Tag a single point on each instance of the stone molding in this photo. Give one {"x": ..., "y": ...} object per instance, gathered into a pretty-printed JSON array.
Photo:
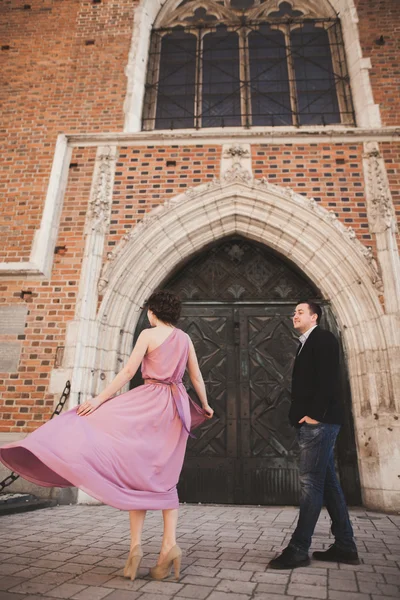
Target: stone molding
[
  {"x": 335, "y": 134},
  {"x": 42, "y": 253},
  {"x": 82, "y": 331},
  {"x": 171, "y": 15},
  {"x": 242, "y": 176},
  {"x": 41, "y": 259},
  {"x": 98, "y": 217},
  {"x": 382, "y": 222},
  {"x": 380, "y": 205},
  {"x": 298, "y": 228}
]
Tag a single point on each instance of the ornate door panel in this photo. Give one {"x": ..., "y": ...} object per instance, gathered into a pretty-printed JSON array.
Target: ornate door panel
[
  {"x": 268, "y": 449},
  {"x": 208, "y": 472}
]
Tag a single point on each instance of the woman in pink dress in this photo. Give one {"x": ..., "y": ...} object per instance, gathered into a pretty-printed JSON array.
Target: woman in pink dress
[{"x": 127, "y": 451}]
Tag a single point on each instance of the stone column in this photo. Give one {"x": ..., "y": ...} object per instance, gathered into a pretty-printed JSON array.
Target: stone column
[
  {"x": 82, "y": 332},
  {"x": 380, "y": 448},
  {"x": 382, "y": 223}
]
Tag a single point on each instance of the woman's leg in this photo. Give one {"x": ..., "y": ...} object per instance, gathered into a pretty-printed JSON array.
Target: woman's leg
[
  {"x": 170, "y": 517},
  {"x": 136, "y": 520}
]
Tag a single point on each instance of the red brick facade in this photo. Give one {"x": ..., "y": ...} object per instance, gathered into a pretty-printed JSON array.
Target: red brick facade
[
  {"x": 62, "y": 68},
  {"x": 376, "y": 19}
]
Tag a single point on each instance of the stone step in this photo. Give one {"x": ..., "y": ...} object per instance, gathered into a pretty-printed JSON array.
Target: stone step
[{"x": 16, "y": 503}]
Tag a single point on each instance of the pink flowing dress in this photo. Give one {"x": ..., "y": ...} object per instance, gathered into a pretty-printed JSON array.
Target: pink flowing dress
[{"x": 129, "y": 452}]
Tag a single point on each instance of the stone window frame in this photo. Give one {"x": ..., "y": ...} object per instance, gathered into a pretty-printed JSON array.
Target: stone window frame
[
  {"x": 150, "y": 12},
  {"x": 260, "y": 14}
]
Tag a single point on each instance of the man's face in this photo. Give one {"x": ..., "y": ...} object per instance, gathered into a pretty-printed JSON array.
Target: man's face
[{"x": 303, "y": 320}]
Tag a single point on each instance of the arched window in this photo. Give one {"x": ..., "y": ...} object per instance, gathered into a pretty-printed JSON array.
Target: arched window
[{"x": 220, "y": 63}]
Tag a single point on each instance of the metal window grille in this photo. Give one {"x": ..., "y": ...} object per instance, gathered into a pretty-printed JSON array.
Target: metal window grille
[{"x": 288, "y": 70}]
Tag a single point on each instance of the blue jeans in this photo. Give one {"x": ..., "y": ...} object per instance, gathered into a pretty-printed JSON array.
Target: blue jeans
[{"x": 319, "y": 484}]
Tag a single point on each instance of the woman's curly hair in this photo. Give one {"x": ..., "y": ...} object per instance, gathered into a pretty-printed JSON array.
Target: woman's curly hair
[{"x": 165, "y": 305}]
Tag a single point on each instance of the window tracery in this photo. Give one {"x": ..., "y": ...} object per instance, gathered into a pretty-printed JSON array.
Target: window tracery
[{"x": 218, "y": 63}]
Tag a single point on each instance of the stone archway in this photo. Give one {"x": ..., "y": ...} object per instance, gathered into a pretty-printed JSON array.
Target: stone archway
[
  {"x": 237, "y": 301},
  {"x": 309, "y": 236}
]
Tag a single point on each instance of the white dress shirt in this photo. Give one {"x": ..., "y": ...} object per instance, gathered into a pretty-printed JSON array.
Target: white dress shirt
[{"x": 304, "y": 336}]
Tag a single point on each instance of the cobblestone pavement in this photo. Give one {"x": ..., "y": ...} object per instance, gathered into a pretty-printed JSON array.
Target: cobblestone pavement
[{"x": 78, "y": 552}]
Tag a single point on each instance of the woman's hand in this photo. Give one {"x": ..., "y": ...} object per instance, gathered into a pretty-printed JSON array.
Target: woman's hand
[
  {"x": 88, "y": 407},
  {"x": 208, "y": 411}
]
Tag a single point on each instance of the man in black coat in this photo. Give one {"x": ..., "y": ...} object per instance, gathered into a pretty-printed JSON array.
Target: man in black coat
[{"x": 316, "y": 413}]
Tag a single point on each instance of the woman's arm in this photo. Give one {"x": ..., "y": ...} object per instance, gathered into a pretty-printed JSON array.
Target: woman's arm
[
  {"x": 197, "y": 380},
  {"x": 122, "y": 378}
]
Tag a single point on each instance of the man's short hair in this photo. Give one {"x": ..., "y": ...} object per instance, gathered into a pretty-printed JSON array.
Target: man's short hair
[{"x": 315, "y": 309}]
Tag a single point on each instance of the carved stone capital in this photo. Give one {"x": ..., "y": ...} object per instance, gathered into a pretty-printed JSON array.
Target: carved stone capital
[
  {"x": 98, "y": 215},
  {"x": 237, "y": 173},
  {"x": 379, "y": 200},
  {"x": 236, "y": 163}
]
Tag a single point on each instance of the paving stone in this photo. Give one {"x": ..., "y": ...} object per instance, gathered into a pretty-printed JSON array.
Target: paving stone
[
  {"x": 91, "y": 593},
  {"x": 11, "y": 596},
  {"x": 337, "y": 595},
  {"x": 251, "y": 566},
  {"x": 66, "y": 590},
  {"x": 92, "y": 579},
  {"x": 30, "y": 572},
  {"x": 271, "y": 596},
  {"x": 123, "y": 595},
  {"x": 272, "y": 577},
  {"x": 152, "y": 596},
  {"x": 9, "y": 582},
  {"x": 122, "y": 583},
  {"x": 104, "y": 570},
  {"x": 344, "y": 584},
  {"x": 270, "y": 588},
  {"x": 308, "y": 578},
  {"x": 227, "y": 596},
  {"x": 393, "y": 579},
  {"x": 340, "y": 574},
  {"x": 238, "y": 587},
  {"x": 235, "y": 575},
  {"x": 9, "y": 569},
  {"x": 388, "y": 590},
  {"x": 199, "y": 580},
  {"x": 194, "y": 591},
  {"x": 205, "y": 562},
  {"x": 202, "y": 571},
  {"x": 161, "y": 587},
  {"x": 32, "y": 587},
  {"x": 74, "y": 568},
  {"x": 227, "y": 550},
  {"x": 53, "y": 577},
  {"x": 308, "y": 591},
  {"x": 20, "y": 560}
]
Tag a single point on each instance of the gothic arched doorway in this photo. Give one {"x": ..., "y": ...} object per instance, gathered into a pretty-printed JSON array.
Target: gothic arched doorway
[{"x": 238, "y": 297}]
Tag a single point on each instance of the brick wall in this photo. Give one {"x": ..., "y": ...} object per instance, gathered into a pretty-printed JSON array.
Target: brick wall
[
  {"x": 146, "y": 177},
  {"x": 53, "y": 82},
  {"x": 331, "y": 174},
  {"x": 51, "y": 304},
  {"x": 377, "y": 18}
]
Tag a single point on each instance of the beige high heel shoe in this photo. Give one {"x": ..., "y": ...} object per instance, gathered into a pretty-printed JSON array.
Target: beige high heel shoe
[
  {"x": 133, "y": 562},
  {"x": 163, "y": 570}
]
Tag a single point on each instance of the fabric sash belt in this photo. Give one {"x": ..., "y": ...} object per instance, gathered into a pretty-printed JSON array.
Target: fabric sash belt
[{"x": 176, "y": 395}]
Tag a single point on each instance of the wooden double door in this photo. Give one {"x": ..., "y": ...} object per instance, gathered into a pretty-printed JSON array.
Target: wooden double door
[{"x": 236, "y": 312}]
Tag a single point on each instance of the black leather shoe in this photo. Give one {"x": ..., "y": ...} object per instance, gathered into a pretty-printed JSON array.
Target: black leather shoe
[
  {"x": 334, "y": 554},
  {"x": 289, "y": 559}
]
